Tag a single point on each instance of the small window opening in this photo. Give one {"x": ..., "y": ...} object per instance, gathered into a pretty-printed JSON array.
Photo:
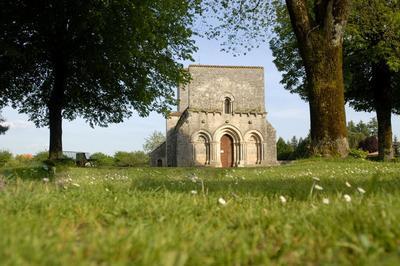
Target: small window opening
[{"x": 227, "y": 106}]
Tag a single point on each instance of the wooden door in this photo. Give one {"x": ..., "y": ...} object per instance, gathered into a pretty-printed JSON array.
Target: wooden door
[{"x": 226, "y": 151}]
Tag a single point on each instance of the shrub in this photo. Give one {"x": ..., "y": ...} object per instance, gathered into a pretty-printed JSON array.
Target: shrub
[
  {"x": 60, "y": 164},
  {"x": 303, "y": 149},
  {"x": 20, "y": 160},
  {"x": 5, "y": 157},
  {"x": 101, "y": 159},
  {"x": 129, "y": 159},
  {"x": 369, "y": 144},
  {"x": 356, "y": 153},
  {"x": 41, "y": 156},
  {"x": 284, "y": 150}
]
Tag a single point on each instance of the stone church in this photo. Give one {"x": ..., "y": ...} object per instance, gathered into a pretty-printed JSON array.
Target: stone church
[{"x": 220, "y": 122}]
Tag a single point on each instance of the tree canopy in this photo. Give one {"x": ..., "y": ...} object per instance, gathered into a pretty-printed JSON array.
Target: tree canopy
[
  {"x": 372, "y": 63},
  {"x": 371, "y": 60},
  {"x": 99, "y": 60},
  {"x": 153, "y": 141},
  {"x": 317, "y": 29},
  {"x": 3, "y": 128}
]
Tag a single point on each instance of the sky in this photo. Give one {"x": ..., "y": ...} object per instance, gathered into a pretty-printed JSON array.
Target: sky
[{"x": 286, "y": 112}]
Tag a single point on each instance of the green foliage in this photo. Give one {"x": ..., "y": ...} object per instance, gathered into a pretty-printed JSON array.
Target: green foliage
[
  {"x": 26, "y": 173},
  {"x": 357, "y": 153},
  {"x": 41, "y": 156},
  {"x": 368, "y": 38},
  {"x": 3, "y": 128},
  {"x": 369, "y": 144},
  {"x": 286, "y": 52},
  {"x": 130, "y": 159},
  {"x": 293, "y": 149},
  {"x": 99, "y": 60},
  {"x": 240, "y": 25},
  {"x": 5, "y": 157},
  {"x": 23, "y": 159},
  {"x": 372, "y": 40},
  {"x": 101, "y": 159},
  {"x": 303, "y": 149},
  {"x": 153, "y": 141},
  {"x": 360, "y": 131},
  {"x": 109, "y": 216},
  {"x": 284, "y": 150}
]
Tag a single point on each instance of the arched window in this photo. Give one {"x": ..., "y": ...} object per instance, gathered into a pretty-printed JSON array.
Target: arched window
[{"x": 227, "y": 106}]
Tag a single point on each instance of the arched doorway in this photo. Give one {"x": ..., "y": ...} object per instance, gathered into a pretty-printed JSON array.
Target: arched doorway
[{"x": 226, "y": 151}]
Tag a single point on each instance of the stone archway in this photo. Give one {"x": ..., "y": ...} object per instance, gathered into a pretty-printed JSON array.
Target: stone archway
[
  {"x": 201, "y": 148},
  {"x": 226, "y": 151},
  {"x": 254, "y": 151},
  {"x": 231, "y": 138}
]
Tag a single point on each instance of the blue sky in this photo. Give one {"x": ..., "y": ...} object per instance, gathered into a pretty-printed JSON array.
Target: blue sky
[{"x": 287, "y": 113}]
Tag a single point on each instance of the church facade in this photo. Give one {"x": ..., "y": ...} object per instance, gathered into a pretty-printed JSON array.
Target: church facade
[{"x": 221, "y": 121}]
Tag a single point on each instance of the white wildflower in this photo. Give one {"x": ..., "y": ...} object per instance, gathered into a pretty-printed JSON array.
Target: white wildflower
[
  {"x": 318, "y": 187},
  {"x": 348, "y": 184},
  {"x": 107, "y": 190},
  {"x": 283, "y": 199},
  {"x": 347, "y": 197},
  {"x": 361, "y": 190},
  {"x": 193, "y": 178},
  {"x": 46, "y": 179},
  {"x": 325, "y": 201},
  {"x": 76, "y": 184},
  {"x": 316, "y": 178},
  {"x": 193, "y": 192},
  {"x": 221, "y": 201}
]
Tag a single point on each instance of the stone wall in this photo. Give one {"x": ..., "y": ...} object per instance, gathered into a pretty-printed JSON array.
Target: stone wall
[
  {"x": 207, "y": 126},
  {"x": 159, "y": 155},
  {"x": 194, "y": 132},
  {"x": 211, "y": 84}
]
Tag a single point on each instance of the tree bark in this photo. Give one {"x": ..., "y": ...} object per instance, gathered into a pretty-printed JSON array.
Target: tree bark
[
  {"x": 55, "y": 106},
  {"x": 326, "y": 100},
  {"x": 320, "y": 40},
  {"x": 57, "y": 95},
  {"x": 383, "y": 107}
]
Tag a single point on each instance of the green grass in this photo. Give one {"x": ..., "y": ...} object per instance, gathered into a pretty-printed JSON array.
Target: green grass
[{"x": 148, "y": 216}]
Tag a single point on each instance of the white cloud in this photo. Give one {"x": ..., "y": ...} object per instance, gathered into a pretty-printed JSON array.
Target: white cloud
[{"x": 17, "y": 124}]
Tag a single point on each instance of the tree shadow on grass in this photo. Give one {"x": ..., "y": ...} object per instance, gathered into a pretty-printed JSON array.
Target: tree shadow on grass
[
  {"x": 299, "y": 188},
  {"x": 26, "y": 173}
]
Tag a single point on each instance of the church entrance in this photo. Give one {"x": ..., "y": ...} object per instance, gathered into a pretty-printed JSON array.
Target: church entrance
[{"x": 226, "y": 151}]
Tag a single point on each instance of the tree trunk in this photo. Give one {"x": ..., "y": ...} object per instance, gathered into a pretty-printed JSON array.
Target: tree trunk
[
  {"x": 320, "y": 40},
  {"x": 326, "y": 99},
  {"x": 55, "y": 106},
  {"x": 383, "y": 107}
]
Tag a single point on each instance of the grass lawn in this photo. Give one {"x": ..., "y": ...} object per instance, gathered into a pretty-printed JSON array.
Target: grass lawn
[{"x": 166, "y": 216}]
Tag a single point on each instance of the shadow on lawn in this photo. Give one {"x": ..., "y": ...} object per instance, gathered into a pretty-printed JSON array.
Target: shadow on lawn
[
  {"x": 295, "y": 188},
  {"x": 26, "y": 173}
]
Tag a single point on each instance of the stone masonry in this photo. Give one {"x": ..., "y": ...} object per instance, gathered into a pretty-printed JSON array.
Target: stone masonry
[{"x": 220, "y": 122}]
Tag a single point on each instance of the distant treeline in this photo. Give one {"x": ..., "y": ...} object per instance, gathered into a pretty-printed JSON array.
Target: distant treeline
[
  {"x": 362, "y": 138},
  {"x": 119, "y": 159}
]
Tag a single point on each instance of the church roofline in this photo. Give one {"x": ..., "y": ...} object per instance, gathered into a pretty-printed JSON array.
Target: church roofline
[{"x": 227, "y": 66}]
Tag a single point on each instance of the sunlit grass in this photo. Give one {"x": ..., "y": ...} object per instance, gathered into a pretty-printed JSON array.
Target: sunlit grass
[{"x": 294, "y": 214}]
